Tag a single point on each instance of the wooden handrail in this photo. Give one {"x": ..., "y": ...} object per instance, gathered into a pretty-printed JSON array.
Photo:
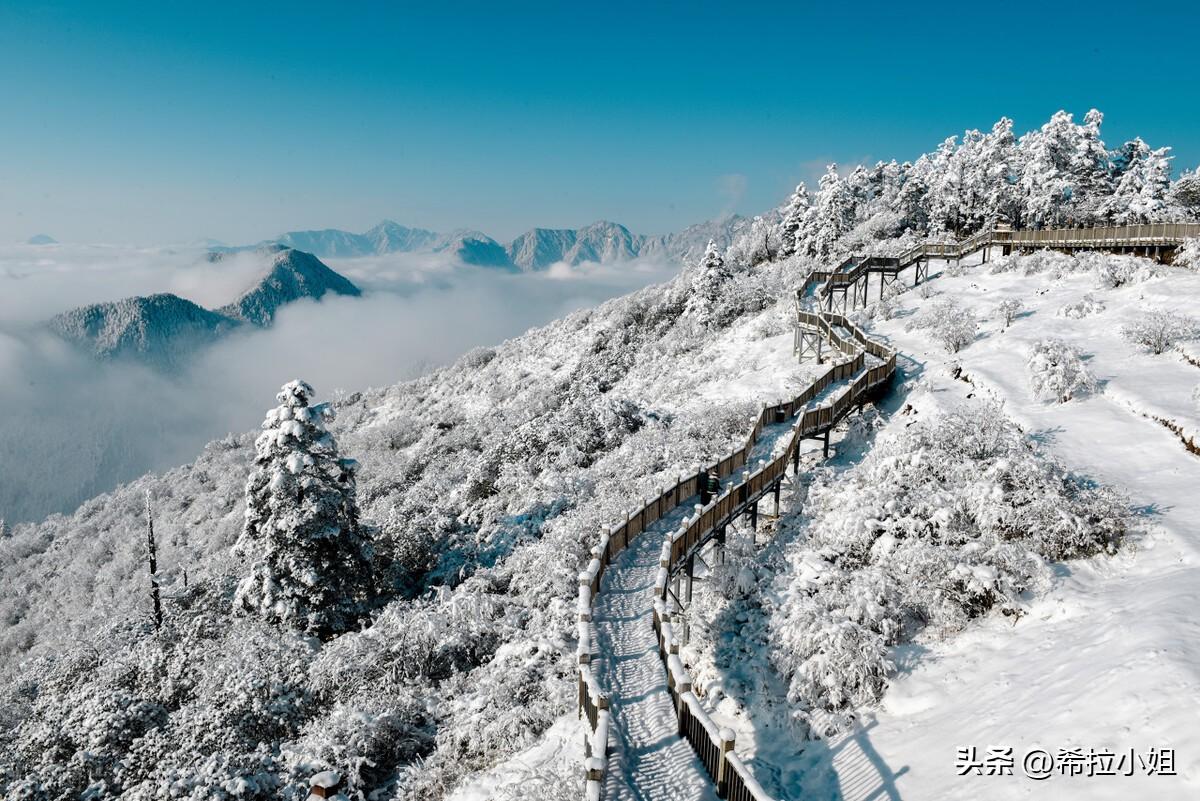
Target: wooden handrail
[
  {"x": 731, "y": 777},
  {"x": 1107, "y": 237}
]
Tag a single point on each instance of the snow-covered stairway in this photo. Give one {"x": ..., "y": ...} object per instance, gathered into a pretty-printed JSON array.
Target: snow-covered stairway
[
  {"x": 629, "y": 675},
  {"x": 851, "y": 277},
  {"x": 648, "y": 759}
]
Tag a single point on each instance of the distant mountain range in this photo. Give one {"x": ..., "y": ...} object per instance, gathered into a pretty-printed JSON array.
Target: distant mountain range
[
  {"x": 164, "y": 329},
  {"x": 534, "y": 250}
]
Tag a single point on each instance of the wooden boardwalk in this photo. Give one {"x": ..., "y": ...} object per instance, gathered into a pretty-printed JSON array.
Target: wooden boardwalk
[
  {"x": 633, "y": 632},
  {"x": 848, "y": 281},
  {"x": 675, "y": 522}
]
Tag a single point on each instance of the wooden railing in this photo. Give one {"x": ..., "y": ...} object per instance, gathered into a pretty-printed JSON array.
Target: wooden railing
[
  {"x": 713, "y": 745},
  {"x": 732, "y": 779},
  {"x": 1151, "y": 235}
]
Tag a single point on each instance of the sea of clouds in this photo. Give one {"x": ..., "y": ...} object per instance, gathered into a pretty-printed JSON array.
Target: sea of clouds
[{"x": 73, "y": 427}]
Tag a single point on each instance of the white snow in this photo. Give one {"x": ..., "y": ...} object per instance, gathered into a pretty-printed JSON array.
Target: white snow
[{"x": 1111, "y": 657}]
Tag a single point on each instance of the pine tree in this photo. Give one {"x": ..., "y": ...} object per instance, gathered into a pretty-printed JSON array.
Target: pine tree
[
  {"x": 995, "y": 176},
  {"x": 707, "y": 284},
  {"x": 946, "y": 189},
  {"x": 832, "y": 216},
  {"x": 1185, "y": 194},
  {"x": 1093, "y": 173},
  {"x": 1143, "y": 184},
  {"x": 312, "y": 561},
  {"x": 1046, "y": 181},
  {"x": 793, "y": 218}
]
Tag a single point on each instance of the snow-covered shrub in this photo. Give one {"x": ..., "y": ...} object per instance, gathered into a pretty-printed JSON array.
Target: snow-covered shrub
[
  {"x": 312, "y": 562},
  {"x": 1008, "y": 310},
  {"x": 948, "y": 322},
  {"x": 889, "y": 304},
  {"x": 1050, "y": 262},
  {"x": 1057, "y": 372},
  {"x": 1188, "y": 254},
  {"x": 1086, "y": 306},
  {"x": 1159, "y": 330},
  {"x": 1114, "y": 271},
  {"x": 956, "y": 269},
  {"x": 945, "y": 520}
]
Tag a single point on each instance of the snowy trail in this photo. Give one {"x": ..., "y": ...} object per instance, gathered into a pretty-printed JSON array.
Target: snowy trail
[{"x": 648, "y": 759}]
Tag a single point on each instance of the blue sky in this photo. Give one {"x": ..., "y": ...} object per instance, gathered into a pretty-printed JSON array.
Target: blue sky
[{"x": 167, "y": 122}]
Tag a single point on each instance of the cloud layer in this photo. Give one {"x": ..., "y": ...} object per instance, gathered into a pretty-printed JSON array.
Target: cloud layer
[{"x": 74, "y": 427}]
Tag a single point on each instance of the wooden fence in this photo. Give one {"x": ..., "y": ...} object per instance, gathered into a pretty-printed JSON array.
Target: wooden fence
[
  {"x": 715, "y": 746},
  {"x": 716, "y": 750},
  {"x": 1113, "y": 237}
]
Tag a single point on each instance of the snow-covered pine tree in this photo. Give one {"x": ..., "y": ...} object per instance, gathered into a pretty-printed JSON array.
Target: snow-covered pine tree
[
  {"x": 946, "y": 190},
  {"x": 1093, "y": 173},
  {"x": 1046, "y": 182},
  {"x": 312, "y": 561},
  {"x": 1185, "y": 195},
  {"x": 833, "y": 213},
  {"x": 793, "y": 217},
  {"x": 1144, "y": 181},
  {"x": 706, "y": 286}
]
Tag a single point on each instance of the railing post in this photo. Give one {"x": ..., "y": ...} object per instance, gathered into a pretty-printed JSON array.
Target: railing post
[{"x": 727, "y": 737}]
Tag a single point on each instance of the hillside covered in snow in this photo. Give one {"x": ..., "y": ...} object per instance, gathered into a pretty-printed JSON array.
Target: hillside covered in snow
[
  {"x": 999, "y": 553},
  {"x": 164, "y": 330}
]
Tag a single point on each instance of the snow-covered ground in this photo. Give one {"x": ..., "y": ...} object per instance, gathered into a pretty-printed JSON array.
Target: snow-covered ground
[
  {"x": 1110, "y": 658},
  {"x": 1107, "y": 660}
]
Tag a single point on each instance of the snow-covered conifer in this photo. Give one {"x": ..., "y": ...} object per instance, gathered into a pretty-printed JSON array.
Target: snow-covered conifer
[
  {"x": 311, "y": 566},
  {"x": 1045, "y": 181},
  {"x": 1090, "y": 166},
  {"x": 1185, "y": 195},
  {"x": 1144, "y": 180},
  {"x": 793, "y": 217},
  {"x": 708, "y": 280},
  {"x": 833, "y": 213}
]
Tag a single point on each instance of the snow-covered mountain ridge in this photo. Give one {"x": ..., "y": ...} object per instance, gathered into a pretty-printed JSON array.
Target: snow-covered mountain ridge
[
  {"x": 537, "y": 249},
  {"x": 164, "y": 329}
]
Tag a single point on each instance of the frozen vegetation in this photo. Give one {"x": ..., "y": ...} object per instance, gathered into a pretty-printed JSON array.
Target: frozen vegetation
[{"x": 406, "y": 558}]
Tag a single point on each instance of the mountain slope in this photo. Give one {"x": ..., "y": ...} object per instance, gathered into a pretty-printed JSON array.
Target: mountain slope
[
  {"x": 390, "y": 237},
  {"x": 293, "y": 275},
  {"x": 161, "y": 329},
  {"x": 536, "y": 249},
  {"x": 329, "y": 243},
  {"x": 164, "y": 329},
  {"x": 602, "y": 242}
]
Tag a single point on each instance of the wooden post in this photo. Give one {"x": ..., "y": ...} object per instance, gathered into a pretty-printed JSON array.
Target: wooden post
[
  {"x": 727, "y": 741},
  {"x": 826, "y": 449},
  {"x": 778, "y": 484},
  {"x": 754, "y": 516},
  {"x": 324, "y": 784},
  {"x": 691, "y": 569}
]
